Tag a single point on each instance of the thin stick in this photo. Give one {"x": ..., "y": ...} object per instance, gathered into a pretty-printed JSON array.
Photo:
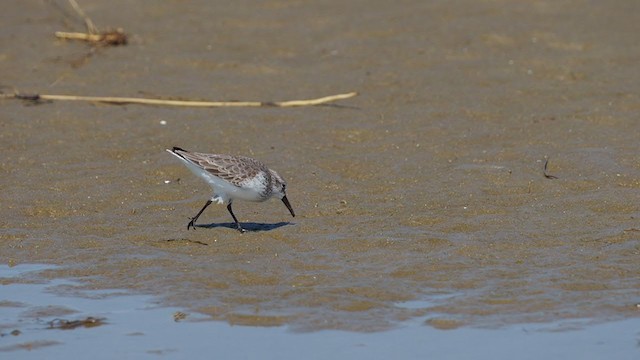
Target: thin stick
[
  {"x": 545, "y": 173},
  {"x": 110, "y": 37},
  {"x": 79, "y": 36},
  {"x": 91, "y": 28},
  {"x": 143, "y": 101}
]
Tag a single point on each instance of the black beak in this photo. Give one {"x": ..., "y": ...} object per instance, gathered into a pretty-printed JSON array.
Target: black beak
[{"x": 286, "y": 203}]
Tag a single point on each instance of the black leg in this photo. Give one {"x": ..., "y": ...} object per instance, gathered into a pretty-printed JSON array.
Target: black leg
[
  {"x": 192, "y": 223},
  {"x": 234, "y": 219}
]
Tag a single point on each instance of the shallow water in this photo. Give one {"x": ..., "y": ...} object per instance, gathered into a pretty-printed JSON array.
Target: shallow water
[
  {"x": 427, "y": 188},
  {"x": 138, "y": 328}
]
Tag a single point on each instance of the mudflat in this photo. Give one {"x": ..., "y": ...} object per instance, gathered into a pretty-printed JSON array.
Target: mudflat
[{"x": 428, "y": 188}]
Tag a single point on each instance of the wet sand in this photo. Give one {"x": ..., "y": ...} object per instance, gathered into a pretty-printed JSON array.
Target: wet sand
[{"x": 426, "y": 189}]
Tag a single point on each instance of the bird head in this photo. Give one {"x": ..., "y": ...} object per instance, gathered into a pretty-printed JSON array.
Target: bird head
[{"x": 279, "y": 189}]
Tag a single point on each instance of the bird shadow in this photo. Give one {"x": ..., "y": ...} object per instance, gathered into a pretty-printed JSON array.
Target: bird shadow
[{"x": 248, "y": 226}]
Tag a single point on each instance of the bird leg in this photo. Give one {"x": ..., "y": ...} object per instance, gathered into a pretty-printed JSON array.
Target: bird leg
[
  {"x": 192, "y": 223},
  {"x": 234, "y": 219}
]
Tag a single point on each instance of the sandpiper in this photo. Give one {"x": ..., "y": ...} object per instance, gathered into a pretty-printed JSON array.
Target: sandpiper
[{"x": 233, "y": 177}]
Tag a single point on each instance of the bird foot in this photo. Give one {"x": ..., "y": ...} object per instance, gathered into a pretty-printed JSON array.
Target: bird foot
[{"x": 191, "y": 224}]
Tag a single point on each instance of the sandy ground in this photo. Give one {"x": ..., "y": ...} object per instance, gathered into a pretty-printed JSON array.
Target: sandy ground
[{"x": 426, "y": 189}]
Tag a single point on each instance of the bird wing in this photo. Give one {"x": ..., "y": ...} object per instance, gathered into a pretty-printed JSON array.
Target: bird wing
[{"x": 234, "y": 169}]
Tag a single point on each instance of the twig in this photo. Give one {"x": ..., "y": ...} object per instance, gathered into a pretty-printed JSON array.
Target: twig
[
  {"x": 190, "y": 103},
  {"x": 91, "y": 28},
  {"x": 89, "y": 322},
  {"x": 547, "y": 175},
  {"x": 111, "y": 37},
  {"x": 93, "y": 35}
]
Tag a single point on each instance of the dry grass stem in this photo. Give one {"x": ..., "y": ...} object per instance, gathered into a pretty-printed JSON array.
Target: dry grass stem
[
  {"x": 187, "y": 103},
  {"x": 110, "y": 37},
  {"x": 93, "y": 35},
  {"x": 91, "y": 28}
]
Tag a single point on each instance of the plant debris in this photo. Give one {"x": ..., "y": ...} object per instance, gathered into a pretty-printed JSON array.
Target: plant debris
[
  {"x": 546, "y": 174},
  {"x": 93, "y": 35},
  {"x": 179, "y": 315},
  {"x": 104, "y": 38},
  {"x": 63, "y": 324},
  {"x": 39, "y": 98}
]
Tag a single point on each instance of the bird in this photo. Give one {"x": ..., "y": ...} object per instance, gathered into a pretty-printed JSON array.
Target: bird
[{"x": 233, "y": 178}]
